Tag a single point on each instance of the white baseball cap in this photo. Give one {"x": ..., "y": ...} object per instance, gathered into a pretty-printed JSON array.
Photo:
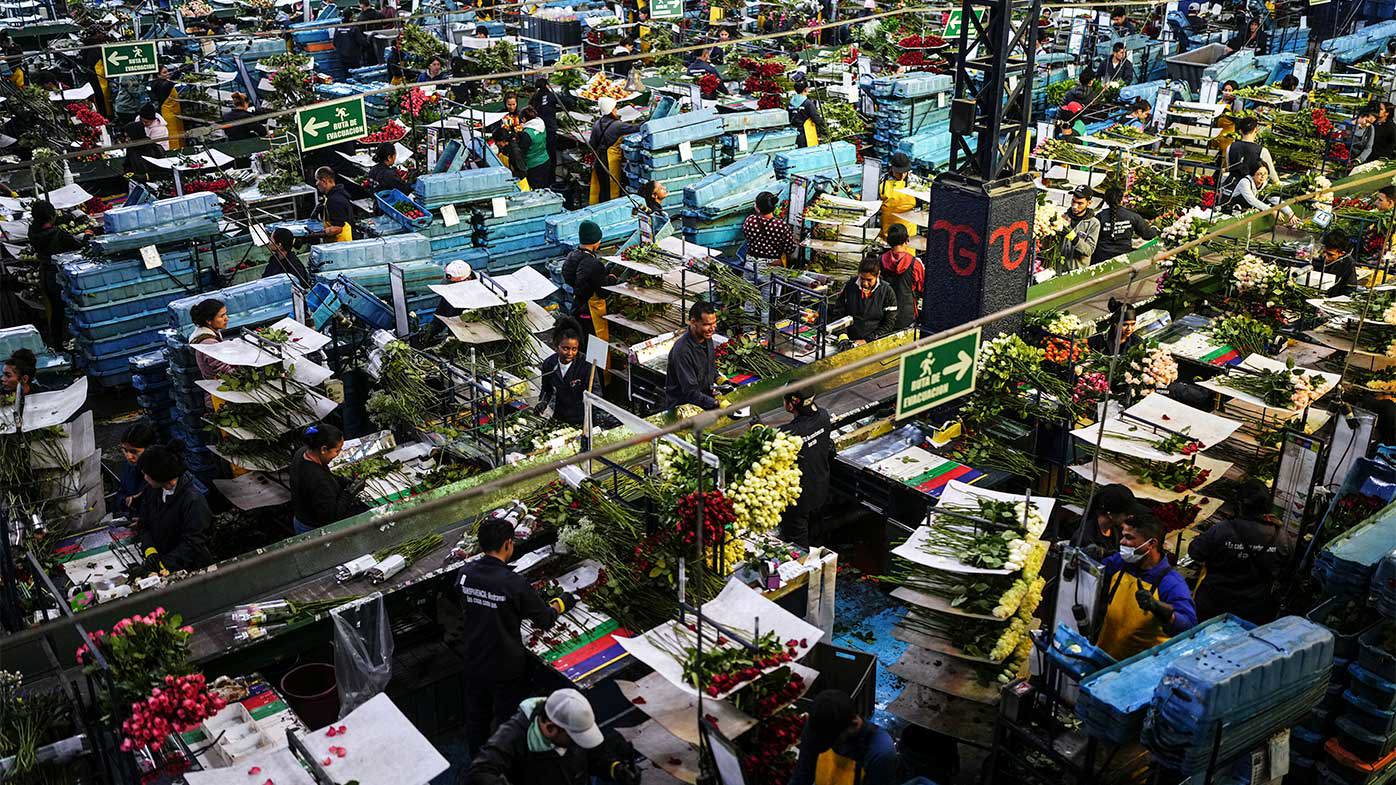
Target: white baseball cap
[
  {"x": 606, "y": 105},
  {"x": 568, "y": 710},
  {"x": 459, "y": 270}
]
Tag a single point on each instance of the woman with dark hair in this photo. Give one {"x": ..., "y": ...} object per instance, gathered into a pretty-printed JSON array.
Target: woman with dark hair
[
  {"x": 173, "y": 517},
  {"x": 565, "y": 376},
  {"x": 768, "y": 238},
  {"x": 1384, "y": 132},
  {"x": 382, "y": 176},
  {"x": 134, "y": 442},
  {"x": 319, "y": 497},
  {"x": 19, "y": 372},
  {"x": 1118, "y": 227},
  {"x": 242, "y": 110},
  {"x": 654, "y": 193},
  {"x": 1112, "y": 507},
  {"x": 210, "y": 319},
  {"x": 1242, "y": 557},
  {"x": 48, "y": 241},
  {"x": 1119, "y": 333},
  {"x": 283, "y": 259},
  {"x": 165, "y": 98}
]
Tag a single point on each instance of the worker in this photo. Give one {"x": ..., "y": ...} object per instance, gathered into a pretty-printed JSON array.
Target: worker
[
  {"x": 282, "y": 259},
  {"x": 839, "y": 747},
  {"x": 811, "y": 424},
  {"x": 318, "y": 496},
  {"x": 210, "y": 318},
  {"x": 584, "y": 271},
  {"x": 1071, "y": 122},
  {"x": 335, "y": 211},
  {"x": 903, "y": 271},
  {"x": 1363, "y": 132},
  {"x": 1384, "y": 133},
  {"x": 1141, "y": 115},
  {"x": 458, "y": 271},
  {"x": 1119, "y": 336},
  {"x": 48, "y": 241},
  {"x": 165, "y": 98},
  {"x": 1118, "y": 227},
  {"x": 435, "y": 69},
  {"x": 769, "y": 239},
  {"x": 1242, "y": 558},
  {"x": 1084, "y": 233},
  {"x": 1120, "y": 23},
  {"x": 173, "y": 517},
  {"x": 1385, "y": 198},
  {"x": 496, "y": 600},
  {"x": 1337, "y": 260},
  {"x": 512, "y": 120},
  {"x": 1099, "y": 532},
  {"x": 546, "y": 103},
  {"x": 654, "y": 193},
  {"x": 804, "y": 113},
  {"x": 19, "y": 373},
  {"x": 156, "y": 129},
  {"x": 564, "y": 377},
  {"x": 702, "y": 65},
  {"x": 351, "y": 42},
  {"x": 1247, "y": 150},
  {"x": 1228, "y": 97},
  {"x": 1117, "y": 67},
  {"x": 895, "y": 199},
  {"x": 1147, "y": 601},
  {"x": 604, "y": 142},
  {"x": 1254, "y": 37},
  {"x": 553, "y": 740},
  {"x": 532, "y": 141},
  {"x": 1243, "y": 193},
  {"x": 870, "y": 301},
  {"x": 691, "y": 376},
  {"x": 134, "y": 442},
  {"x": 242, "y": 110},
  {"x": 383, "y": 175}
]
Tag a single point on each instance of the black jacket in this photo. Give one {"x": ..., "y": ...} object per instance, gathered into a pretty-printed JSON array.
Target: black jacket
[
  {"x": 1110, "y": 72},
  {"x": 691, "y": 373},
  {"x": 242, "y": 131},
  {"x": 51, "y": 241},
  {"x": 496, "y": 601},
  {"x": 351, "y": 44},
  {"x": 809, "y": 110},
  {"x": 1243, "y": 560},
  {"x": 815, "y": 453},
  {"x": 1117, "y": 230},
  {"x": 1383, "y": 141},
  {"x": 318, "y": 497},
  {"x": 606, "y": 132},
  {"x": 584, "y": 271},
  {"x": 564, "y": 393},
  {"x": 385, "y": 178},
  {"x": 874, "y": 316},
  {"x": 506, "y": 759},
  {"x": 290, "y": 265},
  {"x": 176, "y": 528},
  {"x": 1240, "y": 157}
]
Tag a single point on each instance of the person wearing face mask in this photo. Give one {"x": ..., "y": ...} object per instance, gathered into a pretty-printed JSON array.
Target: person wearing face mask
[
  {"x": 1241, "y": 559},
  {"x": 870, "y": 301},
  {"x": 173, "y": 517},
  {"x": 1147, "y": 601},
  {"x": 496, "y": 600},
  {"x": 691, "y": 374},
  {"x": 839, "y": 747},
  {"x": 565, "y": 377},
  {"x": 134, "y": 442},
  {"x": 1084, "y": 233},
  {"x": 318, "y": 496},
  {"x": 811, "y": 424},
  {"x": 1099, "y": 533}
]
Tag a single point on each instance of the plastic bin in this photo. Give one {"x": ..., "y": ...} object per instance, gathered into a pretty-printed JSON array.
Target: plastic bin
[
  {"x": 311, "y": 690},
  {"x": 1189, "y": 65},
  {"x": 393, "y": 203},
  {"x": 1075, "y": 654},
  {"x": 1366, "y": 715},
  {"x": 1372, "y": 688},
  {"x": 363, "y": 304},
  {"x": 1363, "y": 743},
  {"x": 1344, "y": 646},
  {"x": 1373, "y": 656},
  {"x": 849, "y": 670},
  {"x": 1349, "y": 769}
]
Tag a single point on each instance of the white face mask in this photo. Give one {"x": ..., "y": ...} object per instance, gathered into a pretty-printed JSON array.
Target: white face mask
[{"x": 1133, "y": 555}]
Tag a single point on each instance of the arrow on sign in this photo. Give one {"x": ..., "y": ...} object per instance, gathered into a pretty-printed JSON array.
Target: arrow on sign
[
  {"x": 116, "y": 58},
  {"x": 313, "y": 126},
  {"x": 961, "y": 366}
]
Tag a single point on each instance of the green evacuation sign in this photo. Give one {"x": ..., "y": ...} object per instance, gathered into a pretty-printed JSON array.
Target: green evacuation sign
[
  {"x": 956, "y": 21},
  {"x": 940, "y": 372},
  {"x": 331, "y": 124},
  {"x": 129, "y": 59},
  {"x": 666, "y": 9}
]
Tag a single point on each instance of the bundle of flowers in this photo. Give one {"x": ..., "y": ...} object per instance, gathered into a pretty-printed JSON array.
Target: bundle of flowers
[
  {"x": 1256, "y": 276},
  {"x": 766, "y": 79},
  {"x": 196, "y": 8},
  {"x": 1325, "y": 196},
  {"x": 990, "y": 550},
  {"x": 1290, "y": 388},
  {"x": 724, "y": 665},
  {"x": 177, "y": 706},
  {"x": 1091, "y": 387},
  {"x": 768, "y": 749},
  {"x": 419, "y": 106},
  {"x": 709, "y": 84},
  {"x": 1177, "y": 514},
  {"x": 140, "y": 651},
  {"x": 1241, "y": 332},
  {"x": 717, "y": 514},
  {"x": 90, "y": 123},
  {"x": 1150, "y": 368},
  {"x": 770, "y": 485},
  {"x": 1049, "y": 221},
  {"x": 1179, "y": 443},
  {"x": 1177, "y": 477},
  {"x": 1188, "y": 227},
  {"x": 927, "y": 41},
  {"x": 391, "y": 132}
]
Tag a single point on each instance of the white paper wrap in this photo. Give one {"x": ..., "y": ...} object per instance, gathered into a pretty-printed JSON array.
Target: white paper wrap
[{"x": 958, "y": 494}]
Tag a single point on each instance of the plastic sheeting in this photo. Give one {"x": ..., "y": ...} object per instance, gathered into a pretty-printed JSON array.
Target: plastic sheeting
[{"x": 363, "y": 651}]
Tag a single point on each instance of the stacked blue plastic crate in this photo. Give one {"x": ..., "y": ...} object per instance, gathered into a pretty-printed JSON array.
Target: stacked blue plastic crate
[
  {"x": 464, "y": 186},
  {"x": 715, "y": 207},
  {"x": 836, "y": 162},
  {"x": 365, "y": 262},
  {"x": 1345, "y": 566},
  {"x": 655, "y": 152},
  {"x": 1242, "y": 690},
  {"x": 154, "y": 389},
  {"x": 26, "y": 336},
  {"x": 909, "y": 106},
  {"x": 616, "y": 219}
]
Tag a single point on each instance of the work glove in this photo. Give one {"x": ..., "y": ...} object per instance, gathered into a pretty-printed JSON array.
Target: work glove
[
  {"x": 1146, "y": 601},
  {"x": 564, "y": 602},
  {"x": 1094, "y": 551},
  {"x": 624, "y": 773},
  {"x": 152, "y": 561}
]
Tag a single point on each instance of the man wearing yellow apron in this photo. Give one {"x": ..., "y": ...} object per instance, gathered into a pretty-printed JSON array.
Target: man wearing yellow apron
[
  {"x": 1147, "y": 601},
  {"x": 335, "y": 210},
  {"x": 605, "y": 145},
  {"x": 838, "y": 747},
  {"x": 584, "y": 271},
  {"x": 805, "y": 114},
  {"x": 166, "y": 99},
  {"x": 895, "y": 200}
]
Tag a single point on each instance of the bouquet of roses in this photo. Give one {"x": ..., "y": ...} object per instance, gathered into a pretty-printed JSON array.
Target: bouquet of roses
[
  {"x": 990, "y": 550},
  {"x": 1020, "y": 517},
  {"x": 724, "y": 665},
  {"x": 1290, "y": 388},
  {"x": 1253, "y": 275},
  {"x": 1091, "y": 387},
  {"x": 177, "y": 706},
  {"x": 1150, "y": 368},
  {"x": 1177, "y": 477},
  {"x": 1049, "y": 221},
  {"x": 1177, "y": 514},
  {"x": 770, "y": 485},
  {"x": 140, "y": 651},
  {"x": 1188, "y": 227}
]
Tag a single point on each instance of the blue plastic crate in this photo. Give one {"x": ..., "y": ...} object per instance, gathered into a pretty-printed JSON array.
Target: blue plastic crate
[
  {"x": 362, "y": 303},
  {"x": 248, "y": 303},
  {"x": 389, "y": 201},
  {"x": 1372, "y": 688},
  {"x": 162, "y": 212},
  {"x": 1075, "y": 654}
]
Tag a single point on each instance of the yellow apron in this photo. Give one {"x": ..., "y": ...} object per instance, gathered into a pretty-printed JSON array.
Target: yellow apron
[
  {"x": 714, "y": 14},
  {"x": 614, "y": 158},
  {"x": 834, "y": 769},
  {"x": 1128, "y": 630},
  {"x": 895, "y": 200},
  {"x": 599, "y": 325},
  {"x": 811, "y": 134},
  {"x": 101, "y": 70},
  {"x": 17, "y": 77},
  {"x": 170, "y": 111}
]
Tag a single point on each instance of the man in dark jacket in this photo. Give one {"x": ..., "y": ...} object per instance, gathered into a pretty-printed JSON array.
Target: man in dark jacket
[
  {"x": 1243, "y": 557},
  {"x": 691, "y": 375},
  {"x": 811, "y": 424},
  {"x": 554, "y": 741},
  {"x": 1118, "y": 227},
  {"x": 870, "y": 301},
  {"x": 547, "y": 104},
  {"x": 351, "y": 43},
  {"x": 1117, "y": 67},
  {"x": 283, "y": 259},
  {"x": 584, "y": 271},
  {"x": 496, "y": 601},
  {"x": 173, "y": 515}
]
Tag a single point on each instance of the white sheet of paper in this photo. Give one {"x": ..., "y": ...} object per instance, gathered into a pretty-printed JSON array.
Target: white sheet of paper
[
  {"x": 243, "y": 354},
  {"x": 685, "y": 151},
  {"x": 959, "y": 494},
  {"x": 150, "y": 256},
  {"x": 206, "y": 160},
  {"x": 304, "y": 339},
  {"x": 68, "y": 196},
  {"x": 374, "y": 727},
  {"x": 81, "y": 93},
  {"x": 252, "y": 491},
  {"x": 271, "y": 391},
  {"x": 737, "y": 607},
  {"x": 449, "y": 217},
  {"x": 499, "y": 205},
  {"x": 46, "y": 408},
  {"x": 677, "y": 710},
  {"x": 279, "y": 766},
  {"x": 1208, "y": 428}
]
